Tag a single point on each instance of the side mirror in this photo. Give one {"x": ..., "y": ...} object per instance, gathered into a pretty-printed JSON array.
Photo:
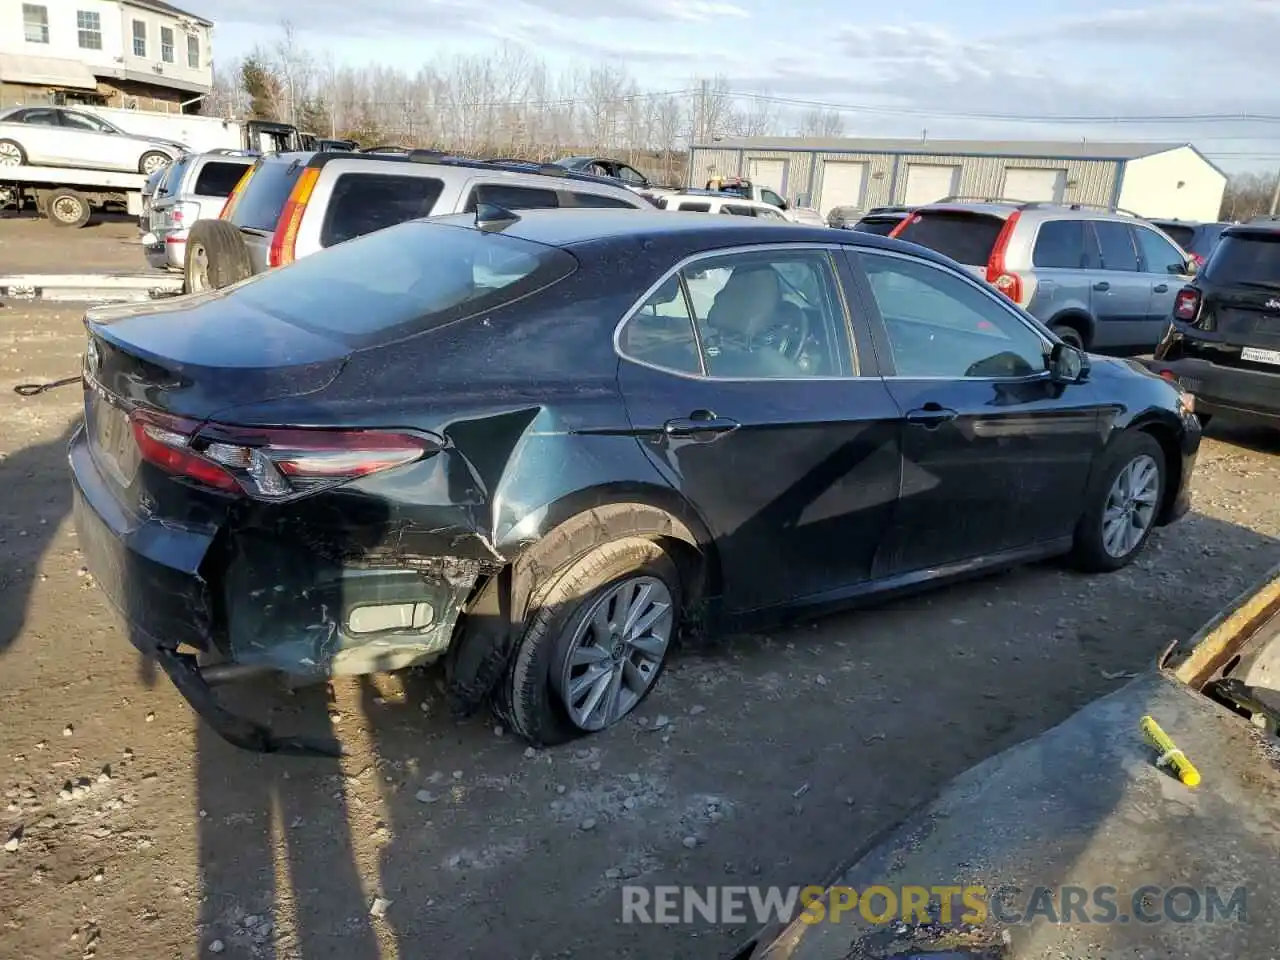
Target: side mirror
[
  {"x": 785, "y": 205},
  {"x": 1067, "y": 364}
]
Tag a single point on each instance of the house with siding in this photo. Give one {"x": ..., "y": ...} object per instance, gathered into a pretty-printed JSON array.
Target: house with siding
[{"x": 1149, "y": 179}]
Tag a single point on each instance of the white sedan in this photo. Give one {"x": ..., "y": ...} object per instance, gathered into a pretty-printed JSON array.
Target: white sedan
[{"x": 58, "y": 137}]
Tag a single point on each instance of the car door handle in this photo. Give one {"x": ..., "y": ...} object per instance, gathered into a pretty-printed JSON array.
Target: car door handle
[
  {"x": 1161, "y": 288},
  {"x": 1102, "y": 286},
  {"x": 701, "y": 424},
  {"x": 931, "y": 416}
]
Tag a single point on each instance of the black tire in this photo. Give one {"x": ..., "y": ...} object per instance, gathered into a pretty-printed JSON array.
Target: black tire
[
  {"x": 526, "y": 697},
  {"x": 8, "y": 148},
  {"x": 147, "y": 163},
  {"x": 67, "y": 208},
  {"x": 1204, "y": 419},
  {"x": 1089, "y": 552},
  {"x": 1068, "y": 335},
  {"x": 225, "y": 257}
]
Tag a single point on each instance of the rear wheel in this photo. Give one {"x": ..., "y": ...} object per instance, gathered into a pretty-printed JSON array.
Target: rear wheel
[
  {"x": 595, "y": 644},
  {"x": 153, "y": 160},
  {"x": 66, "y": 208},
  {"x": 1122, "y": 505},
  {"x": 1068, "y": 335},
  {"x": 11, "y": 154},
  {"x": 216, "y": 257}
]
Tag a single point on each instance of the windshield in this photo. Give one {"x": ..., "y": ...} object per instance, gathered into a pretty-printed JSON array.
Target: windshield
[
  {"x": 964, "y": 237},
  {"x": 405, "y": 279},
  {"x": 1252, "y": 259}
]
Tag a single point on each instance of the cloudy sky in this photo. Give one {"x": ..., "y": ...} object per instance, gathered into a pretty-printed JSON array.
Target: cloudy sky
[{"x": 945, "y": 66}]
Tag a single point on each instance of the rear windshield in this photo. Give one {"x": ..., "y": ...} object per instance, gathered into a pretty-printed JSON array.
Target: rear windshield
[
  {"x": 1182, "y": 235},
  {"x": 218, "y": 178},
  {"x": 880, "y": 226},
  {"x": 1247, "y": 258},
  {"x": 364, "y": 202},
  {"x": 264, "y": 196},
  {"x": 964, "y": 237},
  {"x": 405, "y": 279}
]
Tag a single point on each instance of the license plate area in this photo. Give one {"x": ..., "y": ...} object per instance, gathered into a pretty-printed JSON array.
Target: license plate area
[
  {"x": 111, "y": 440},
  {"x": 1258, "y": 355}
]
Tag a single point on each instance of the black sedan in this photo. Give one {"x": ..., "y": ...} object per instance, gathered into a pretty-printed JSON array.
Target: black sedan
[{"x": 534, "y": 446}]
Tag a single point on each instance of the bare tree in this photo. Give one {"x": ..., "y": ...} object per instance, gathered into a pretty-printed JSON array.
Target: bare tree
[
  {"x": 1248, "y": 195},
  {"x": 821, "y": 123},
  {"x": 757, "y": 118}
]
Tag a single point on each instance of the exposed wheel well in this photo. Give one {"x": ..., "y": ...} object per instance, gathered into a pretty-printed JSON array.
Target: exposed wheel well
[
  {"x": 1168, "y": 441},
  {"x": 1081, "y": 323}
]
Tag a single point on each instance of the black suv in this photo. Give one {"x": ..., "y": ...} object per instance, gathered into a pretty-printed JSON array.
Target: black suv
[{"x": 1223, "y": 344}]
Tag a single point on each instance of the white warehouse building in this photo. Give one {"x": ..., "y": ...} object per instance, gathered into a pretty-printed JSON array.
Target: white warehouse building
[{"x": 1171, "y": 180}]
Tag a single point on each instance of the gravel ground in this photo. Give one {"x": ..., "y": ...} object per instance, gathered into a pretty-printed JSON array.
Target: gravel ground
[
  {"x": 760, "y": 759},
  {"x": 31, "y": 245}
]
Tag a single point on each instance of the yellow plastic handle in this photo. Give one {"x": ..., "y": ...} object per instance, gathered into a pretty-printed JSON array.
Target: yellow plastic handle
[{"x": 1169, "y": 753}]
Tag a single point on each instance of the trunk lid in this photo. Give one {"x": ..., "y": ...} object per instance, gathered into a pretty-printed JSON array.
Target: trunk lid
[{"x": 1241, "y": 288}]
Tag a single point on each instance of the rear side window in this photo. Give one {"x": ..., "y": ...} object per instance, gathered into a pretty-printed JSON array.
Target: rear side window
[
  {"x": 218, "y": 178},
  {"x": 1115, "y": 245},
  {"x": 364, "y": 202},
  {"x": 512, "y": 197},
  {"x": 1060, "y": 243},
  {"x": 599, "y": 201},
  {"x": 966, "y": 238},
  {"x": 405, "y": 279},
  {"x": 262, "y": 201},
  {"x": 738, "y": 210},
  {"x": 696, "y": 206},
  {"x": 1252, "y": 259}
]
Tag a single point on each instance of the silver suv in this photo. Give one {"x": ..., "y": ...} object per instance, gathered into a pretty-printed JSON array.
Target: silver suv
[
  {"x": 1099, "y": 278},
  {"x": 293, "y": 204},
  {"x": 195, "y": 185}
]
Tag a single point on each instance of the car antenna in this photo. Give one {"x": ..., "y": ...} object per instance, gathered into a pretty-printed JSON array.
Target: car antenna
[{"x": 491, "y": 216}]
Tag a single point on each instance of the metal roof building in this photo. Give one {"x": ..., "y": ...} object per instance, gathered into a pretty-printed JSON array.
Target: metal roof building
[{"x": 1151, "y": 179}]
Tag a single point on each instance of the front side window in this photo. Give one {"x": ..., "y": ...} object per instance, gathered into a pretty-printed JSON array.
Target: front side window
[
  {"x": 765, "y": 315},
  {"x": 166, "y": 44},
  {"x": 89, "y": 30},
  {"x": 694, "y": 206},
  {"x": 1158, "y": 254},
  {"x": 1115, "y": 246},
  {"x": 139, "y": 38},
  {"x": 771, "y": 198},
  {"x": 82, "y": 121},
  {"x": 738, "y": 210},
  {"x": 630, "y": 175},
  {"x": 193, "y": 52},
  {"x": 942, "y": 325},
  {"x": 35, "y": 23}
]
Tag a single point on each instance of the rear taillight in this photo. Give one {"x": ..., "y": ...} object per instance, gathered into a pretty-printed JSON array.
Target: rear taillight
[
  {"x": 235, "y": 193},
  {"x": 286, "y": 235},
  {"x": 1010, "y": 284},
  {"x": 185, "y": 213},
  {"x": 1186, "y": 304},
  {"x": 270, "y": 463}
]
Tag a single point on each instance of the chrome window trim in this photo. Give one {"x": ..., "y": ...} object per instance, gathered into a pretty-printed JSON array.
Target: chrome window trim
[
  {"x": 730, "y": 251},
  {"x": 983, "y": 288}
]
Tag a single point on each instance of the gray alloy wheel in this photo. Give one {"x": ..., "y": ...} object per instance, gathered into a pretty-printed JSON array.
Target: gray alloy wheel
[
  {"x": 616, "y": 652},
  {"x": 10, "y": 154},
  {"x": 1131, "y": 506}
]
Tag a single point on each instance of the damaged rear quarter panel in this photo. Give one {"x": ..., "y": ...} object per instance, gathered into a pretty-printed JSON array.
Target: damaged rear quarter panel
[{"x": 535, "y": 429}]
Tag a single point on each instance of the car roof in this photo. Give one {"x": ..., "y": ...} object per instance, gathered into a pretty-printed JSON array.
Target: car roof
[
  {"x": 318, "y": 158},
  {"x": 572, "y": 227},
  {"x": 1263, "y": 229}
]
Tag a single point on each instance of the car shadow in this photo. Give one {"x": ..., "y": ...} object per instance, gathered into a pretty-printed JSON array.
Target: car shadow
[
  {"x": 1245, "y": 432},
  {"x": 99, "y": 218}
]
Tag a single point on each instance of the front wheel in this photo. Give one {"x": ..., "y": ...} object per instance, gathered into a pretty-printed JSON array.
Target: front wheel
[
  {"x": 595, "y": 645},
  {"x": 11, "y": 154},
  {"x": 67, "y": 208},
  {"x": 1122, "y": 505}
]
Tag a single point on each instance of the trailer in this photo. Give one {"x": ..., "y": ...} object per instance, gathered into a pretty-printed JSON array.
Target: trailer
[{"x": 69, "y": 196}]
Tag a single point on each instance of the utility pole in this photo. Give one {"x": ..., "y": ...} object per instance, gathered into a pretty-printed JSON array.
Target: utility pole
[
  {"x": 702, "y": 112},
  {"x": 1275, "y": 195}
]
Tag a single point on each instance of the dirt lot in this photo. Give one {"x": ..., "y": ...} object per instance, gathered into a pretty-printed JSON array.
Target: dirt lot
[
  {"x": 760, "y": 759},
  {"x": 31, "y": 245}
]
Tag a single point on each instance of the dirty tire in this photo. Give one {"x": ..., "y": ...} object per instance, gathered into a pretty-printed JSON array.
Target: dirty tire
[
  {"x": 67, "y": 208},
  {"x": 153, "y": 160},
  {"x": 1068, "y": 335},
  {"x": 526, "y": 698},
  {"x": 12, "y": 154},
  {"x": 216, "y": 257},
  {"x": 1089, "y": 553}
]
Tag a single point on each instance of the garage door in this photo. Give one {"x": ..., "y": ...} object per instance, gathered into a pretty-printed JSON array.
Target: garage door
[
  {"x": 1042, "y": 185},
  {"x": 843, "y": 183},
  {"x": 767, "y": 173},
  {"x": 927, "y": 182}
]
